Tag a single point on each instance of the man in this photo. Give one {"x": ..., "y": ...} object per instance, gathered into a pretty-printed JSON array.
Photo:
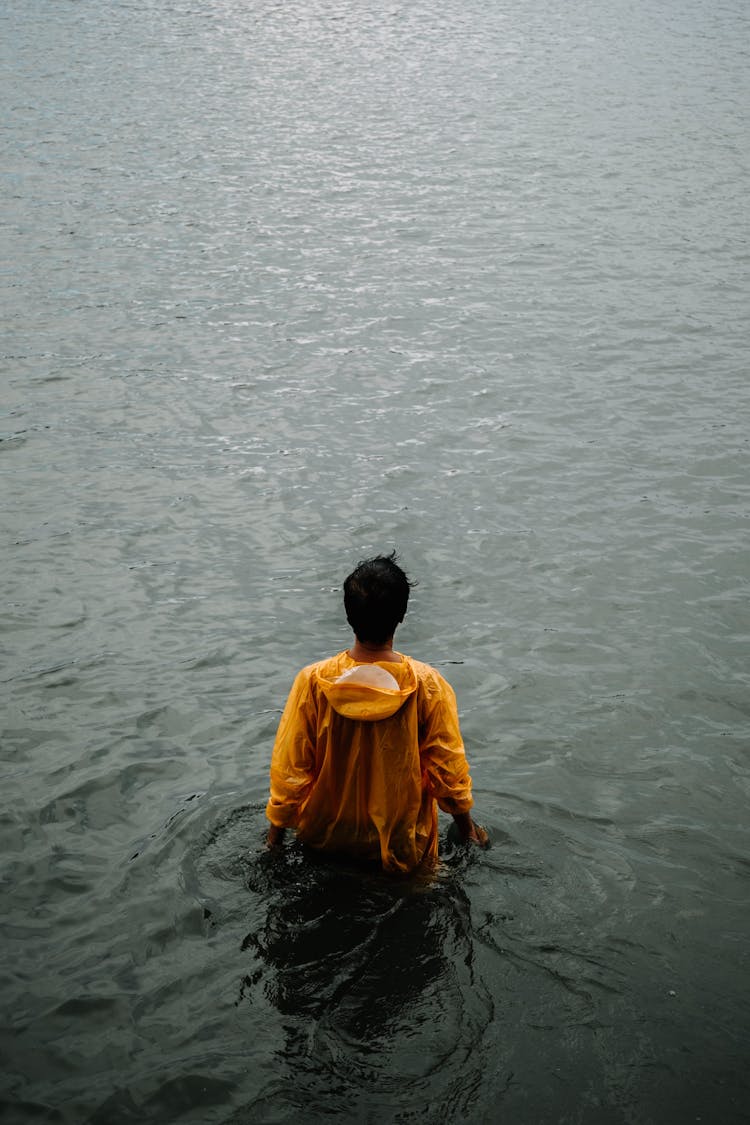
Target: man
[{"x": 369, "y": 743}]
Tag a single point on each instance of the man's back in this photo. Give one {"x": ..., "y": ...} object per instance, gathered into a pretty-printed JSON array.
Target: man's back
[{"x": 358, "y": 766}]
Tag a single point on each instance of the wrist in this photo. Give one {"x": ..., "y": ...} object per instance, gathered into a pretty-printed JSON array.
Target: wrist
[
  {"x": 275, "y": 835},
  {"x": 464, "y": 824}
]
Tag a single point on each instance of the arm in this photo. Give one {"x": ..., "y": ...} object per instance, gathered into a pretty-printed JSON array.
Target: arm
[
  {"x": 293, "y": 760},
  {"x": 444, "y": 760}
]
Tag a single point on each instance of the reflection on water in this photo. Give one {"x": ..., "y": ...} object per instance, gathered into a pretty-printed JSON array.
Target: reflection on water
[{"x": 376, "y": 984}]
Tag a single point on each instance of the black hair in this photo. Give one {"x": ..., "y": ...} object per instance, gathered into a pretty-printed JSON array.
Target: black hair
[{"x": 376, "y": 594}]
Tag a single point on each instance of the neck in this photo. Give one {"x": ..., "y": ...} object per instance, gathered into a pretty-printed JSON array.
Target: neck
[{"x": 366, "y": 652}]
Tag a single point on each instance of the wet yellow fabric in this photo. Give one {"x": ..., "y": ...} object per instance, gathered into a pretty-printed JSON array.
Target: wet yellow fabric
[{"x": 360, "y": 769}]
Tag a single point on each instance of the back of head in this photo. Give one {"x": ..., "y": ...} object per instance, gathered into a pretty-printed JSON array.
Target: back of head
[{"x": 376, "y": 594}]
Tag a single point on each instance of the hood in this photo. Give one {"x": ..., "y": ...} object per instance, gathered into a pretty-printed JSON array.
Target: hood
[{"x": 357, "y": 699}]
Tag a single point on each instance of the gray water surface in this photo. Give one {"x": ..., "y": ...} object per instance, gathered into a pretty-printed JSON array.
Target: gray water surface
[{"x": 285, "y": 285}]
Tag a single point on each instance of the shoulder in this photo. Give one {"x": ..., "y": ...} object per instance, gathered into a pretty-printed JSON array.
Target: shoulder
[
  {"x": 327, "y": 669},
  {"x": 431, "y": 683}
]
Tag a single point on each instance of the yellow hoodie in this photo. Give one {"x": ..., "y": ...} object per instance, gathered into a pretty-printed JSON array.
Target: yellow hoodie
[{"x": 357, "y": 767}]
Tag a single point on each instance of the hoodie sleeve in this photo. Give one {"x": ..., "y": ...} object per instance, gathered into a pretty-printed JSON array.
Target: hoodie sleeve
[
  {"x": 293, "y": 758},
  {"x": 444, "y": 765}
]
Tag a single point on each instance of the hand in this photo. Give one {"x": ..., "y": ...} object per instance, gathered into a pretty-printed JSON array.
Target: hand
[
  {"x": 275, "y": 836},
  {"x": 479, "y": 835},
  {"x": 469, "y": 831}
]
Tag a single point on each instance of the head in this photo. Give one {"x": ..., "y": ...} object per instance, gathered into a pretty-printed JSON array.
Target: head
[{"x": 376, "y": 594}]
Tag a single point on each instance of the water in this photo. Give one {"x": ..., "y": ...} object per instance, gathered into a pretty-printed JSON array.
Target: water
[{"x": 284, "y": 285}]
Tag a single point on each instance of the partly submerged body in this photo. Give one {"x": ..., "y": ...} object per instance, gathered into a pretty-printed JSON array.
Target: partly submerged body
[{"x": 364, "y": 755}]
